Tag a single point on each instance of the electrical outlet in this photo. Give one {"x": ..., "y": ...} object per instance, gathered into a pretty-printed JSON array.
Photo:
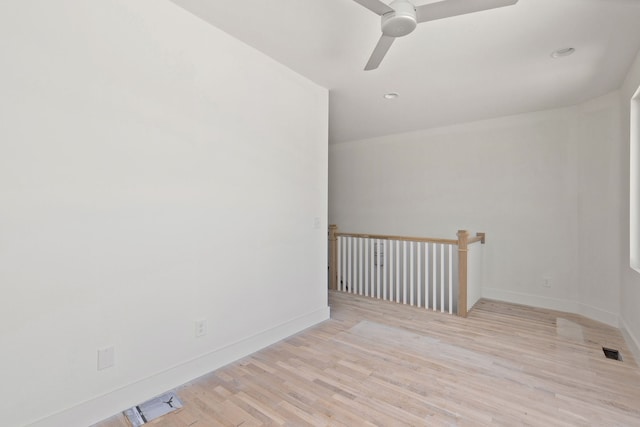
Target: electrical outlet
[
  {"x": 546, "y": 282},
  {"x": 106, "y": 358},
  {"x": 316, "y": 223},
  {"x": 200, "y": 327}
]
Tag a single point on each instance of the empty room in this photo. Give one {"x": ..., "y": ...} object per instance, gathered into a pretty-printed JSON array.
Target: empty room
[{"x": 331, "y": 213}]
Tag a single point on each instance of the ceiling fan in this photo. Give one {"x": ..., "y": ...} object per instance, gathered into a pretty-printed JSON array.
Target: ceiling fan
[{"x": 401, "y": 17}]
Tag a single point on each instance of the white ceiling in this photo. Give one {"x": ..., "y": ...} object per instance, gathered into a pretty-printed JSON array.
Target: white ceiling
[{"x": 482, "y": 65}]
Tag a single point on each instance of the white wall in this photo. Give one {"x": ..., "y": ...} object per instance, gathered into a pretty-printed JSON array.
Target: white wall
[
  {"x": 533, "y": 182},
  {"x": 630, "y": 290},
  {"x": 153, "y": 171},
  {"x": 600, "y": 158}
]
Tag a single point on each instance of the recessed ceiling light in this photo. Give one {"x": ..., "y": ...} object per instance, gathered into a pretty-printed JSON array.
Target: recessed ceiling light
[
  {"x": 391, "y": 95},
  {"x": 566, "y": 51}
]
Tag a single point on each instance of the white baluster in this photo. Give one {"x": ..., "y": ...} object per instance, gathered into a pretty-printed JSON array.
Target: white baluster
[
  {"x": 378, "y": 261},
  {"x": 355, "y": 265},
  {"x": 365, "y": 254},
  {"x": 338, "y": 265},
  {"x": 344, "y": 264},
  {"x": 385, "y": 270},
  {"x": 449, "y": 260},
  {"x": 391, "y": 263},
  {"x": 372, "y": 266},
  {"x": 434, "y": 283},
  {"x": 426, "y": 275},
  {"x": 360, "y": 266},
  {"x": 348, "y": 283},
  {"x": 397, "y": 271},
  {"x": 411, "y": 281},
  {"x": 404, "y": 272},
  {"x": 442, "y": 278},
  {"x": 419, "y": 271}
]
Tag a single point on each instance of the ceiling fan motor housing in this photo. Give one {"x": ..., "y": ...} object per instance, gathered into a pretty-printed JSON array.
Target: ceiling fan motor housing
[{"x": 401, "y": 21}]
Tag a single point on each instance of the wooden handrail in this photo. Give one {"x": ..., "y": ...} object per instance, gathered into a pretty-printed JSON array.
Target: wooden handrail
[
  {"x": 401, "y": 238},
  {"x": 463, "y": 241},
  {"x": 480, "y": 237}
]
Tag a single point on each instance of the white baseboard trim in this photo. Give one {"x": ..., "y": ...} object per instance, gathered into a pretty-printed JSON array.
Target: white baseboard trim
[
  {"x": 632, "y": 341},
  {"x": 111, "y": 403},
  {"x": 604, "y": 316}
]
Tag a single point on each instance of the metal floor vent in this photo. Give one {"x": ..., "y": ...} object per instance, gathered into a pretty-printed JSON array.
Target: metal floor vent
[{"x": 610, "y": 353}]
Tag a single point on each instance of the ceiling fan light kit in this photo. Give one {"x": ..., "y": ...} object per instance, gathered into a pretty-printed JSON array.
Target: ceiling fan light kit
[
  {"x": 401, "y": 17},
  {"x": 401, "y": 21}
]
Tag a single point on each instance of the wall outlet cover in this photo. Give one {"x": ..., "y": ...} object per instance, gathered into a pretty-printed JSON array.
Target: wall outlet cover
[
  {"x": 106, "y": 357},
  {"x": 200, "y": 327}
]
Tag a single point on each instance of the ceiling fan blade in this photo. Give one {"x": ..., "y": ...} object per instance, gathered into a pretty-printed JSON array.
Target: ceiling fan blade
[
  {"x": 447, "y": 8},
  {"x": 379, "y": 52},
  {"x": 376, "y": 6}
]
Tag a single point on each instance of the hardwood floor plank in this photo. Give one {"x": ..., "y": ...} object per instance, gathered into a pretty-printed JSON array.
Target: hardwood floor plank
[{"x": 378, "y": 363}]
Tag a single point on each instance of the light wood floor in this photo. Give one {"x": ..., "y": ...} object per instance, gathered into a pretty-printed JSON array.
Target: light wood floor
[{"x": 383, "y": 364}]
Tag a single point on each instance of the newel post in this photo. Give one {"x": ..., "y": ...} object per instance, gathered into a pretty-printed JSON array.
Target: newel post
[
  {"x": 463, "y": 238},
  {"x": 333, "y": 257}
]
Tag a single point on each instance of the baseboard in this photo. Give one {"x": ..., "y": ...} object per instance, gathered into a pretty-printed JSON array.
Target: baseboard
[
  {"x": 532, "y": 300},
  {"x": 598, "y": 314},
  {"x": 632, "y": 341},
  {"x": 100, "y": 408},
  {"x": 609, "y": 318}
]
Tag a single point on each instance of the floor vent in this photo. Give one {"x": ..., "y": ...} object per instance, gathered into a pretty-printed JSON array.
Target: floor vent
[{"x": 611, "y": 353}]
